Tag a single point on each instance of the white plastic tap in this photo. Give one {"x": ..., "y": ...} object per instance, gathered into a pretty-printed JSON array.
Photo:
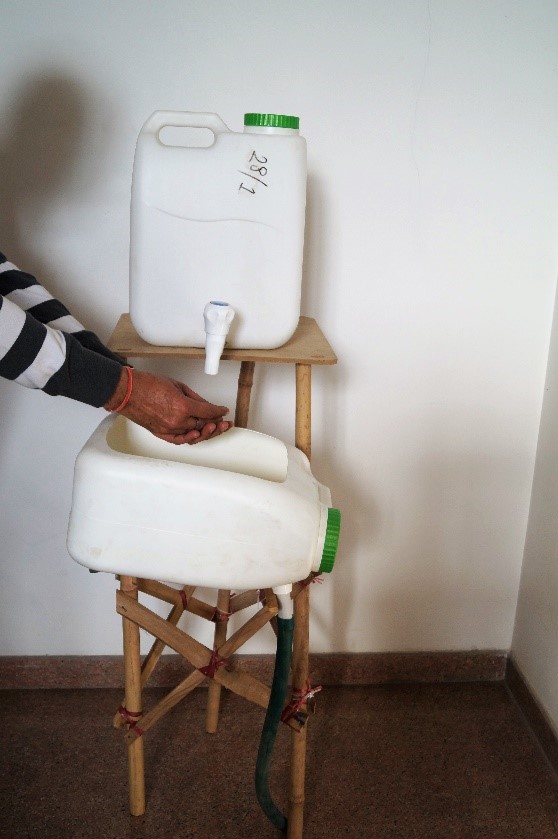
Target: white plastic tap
[
  {"x": 283, "y": 594},
  {"x": 218, "y": 318}
]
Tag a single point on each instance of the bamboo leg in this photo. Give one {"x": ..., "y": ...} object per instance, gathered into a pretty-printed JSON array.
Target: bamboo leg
[
  {"x": 244, "y": 391},
  {"x": 295, "y": 820},
  {"x": 243, "y": 394},
  {"x": 132, "y": 684},
  {"x": 303, "y": 408},
  {"x": 298, "y": 738},
  {"x": 214, "y": 690}
]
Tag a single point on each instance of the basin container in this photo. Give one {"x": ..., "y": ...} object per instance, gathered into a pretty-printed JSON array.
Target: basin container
[{"x": 240, "y": 511}]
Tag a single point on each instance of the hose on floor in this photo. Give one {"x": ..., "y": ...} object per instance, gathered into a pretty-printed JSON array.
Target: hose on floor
[{"x": 285, "y": 629}]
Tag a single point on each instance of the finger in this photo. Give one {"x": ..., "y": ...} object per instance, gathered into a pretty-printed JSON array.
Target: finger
[
  {"x": 206, "y": 432},
  {"x": 197, "y": 423},
  {"x": 223, "y": 426},
  {"x": 211, "y": 430},
  {"x": 191, "y": 436},
  {"x": 208, "y": 411},
  {"x": 179, "y": 439}
]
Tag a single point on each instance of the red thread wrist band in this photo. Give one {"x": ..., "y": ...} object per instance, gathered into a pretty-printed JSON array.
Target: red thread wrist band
[{"x": 128, "y": 392}]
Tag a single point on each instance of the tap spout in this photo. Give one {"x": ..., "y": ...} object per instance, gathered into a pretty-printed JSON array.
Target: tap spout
[{"x": 218, "y": 318}]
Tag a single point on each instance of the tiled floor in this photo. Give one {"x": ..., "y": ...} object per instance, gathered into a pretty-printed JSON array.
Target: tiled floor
[{"x": 451, "y": 761}]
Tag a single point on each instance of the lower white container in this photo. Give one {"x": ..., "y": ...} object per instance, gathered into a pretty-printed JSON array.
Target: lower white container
[{"x": 240, "y": 511}]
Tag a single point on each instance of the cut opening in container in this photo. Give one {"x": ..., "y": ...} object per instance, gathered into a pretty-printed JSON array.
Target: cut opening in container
[{"x": 238, "y": 450}]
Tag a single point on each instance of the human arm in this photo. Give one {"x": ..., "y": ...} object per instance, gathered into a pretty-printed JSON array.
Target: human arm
[{"x": 43, "y": 346}]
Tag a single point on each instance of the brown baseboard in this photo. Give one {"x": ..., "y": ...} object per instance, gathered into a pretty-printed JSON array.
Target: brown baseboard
[
  {"x": 534, "y": 715},
  {"x": 78, "y": 672},
  {"x": 65, "y": 672}
]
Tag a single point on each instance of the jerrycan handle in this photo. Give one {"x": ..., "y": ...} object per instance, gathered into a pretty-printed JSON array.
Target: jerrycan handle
[{"x": 184, "y": 119}]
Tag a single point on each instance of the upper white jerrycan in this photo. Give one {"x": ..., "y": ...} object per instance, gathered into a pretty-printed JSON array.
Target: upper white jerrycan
[{"x": 220, "y": 222}]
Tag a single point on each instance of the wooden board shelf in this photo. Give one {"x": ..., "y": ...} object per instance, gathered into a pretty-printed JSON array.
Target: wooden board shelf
[{"x": 308, "y": 345}]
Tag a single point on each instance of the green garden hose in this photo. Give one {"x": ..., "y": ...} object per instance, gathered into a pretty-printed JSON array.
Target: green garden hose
[{"x": 285, "y": 629}]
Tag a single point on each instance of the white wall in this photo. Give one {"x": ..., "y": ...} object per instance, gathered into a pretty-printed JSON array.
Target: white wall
[
  {"x": 534, "y": 647},
  {"x": 431, "y": 263}
]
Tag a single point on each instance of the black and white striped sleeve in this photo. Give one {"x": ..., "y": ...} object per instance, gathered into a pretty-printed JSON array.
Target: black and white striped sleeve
[{"x": 43, "y": 346}]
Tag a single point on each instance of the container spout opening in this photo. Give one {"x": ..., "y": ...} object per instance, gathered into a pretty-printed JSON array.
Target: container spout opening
[
  {"x": 217, "y": 317},
  {"x": 284, "y": 599}
]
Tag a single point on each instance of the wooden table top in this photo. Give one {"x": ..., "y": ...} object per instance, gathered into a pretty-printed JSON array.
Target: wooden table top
[{"x": 308, "y": 345}]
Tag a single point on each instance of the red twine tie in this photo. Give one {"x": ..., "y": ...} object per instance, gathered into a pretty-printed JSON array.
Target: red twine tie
[
  {"x": 131, "y": 718},
  {"x": 220, "y": 617},
  {"x": 214, "y": 663},
  {"x": 299, "y": 698},
  {"x": 308, "y": 580}
]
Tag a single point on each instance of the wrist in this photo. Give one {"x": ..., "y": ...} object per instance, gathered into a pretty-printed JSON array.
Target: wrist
[{"x": 123, "y": 391}]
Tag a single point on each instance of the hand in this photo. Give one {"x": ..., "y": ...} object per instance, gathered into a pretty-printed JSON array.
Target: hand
[{"x": 169, "y": 409}]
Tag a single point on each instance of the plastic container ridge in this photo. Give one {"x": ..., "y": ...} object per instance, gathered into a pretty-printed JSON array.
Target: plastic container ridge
[{"x": 223, "y": 221}]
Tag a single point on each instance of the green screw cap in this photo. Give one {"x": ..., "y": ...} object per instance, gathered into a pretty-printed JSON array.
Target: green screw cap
[
  {"x": 271, "y": 120},
  {"x": 331, "y": 540}
]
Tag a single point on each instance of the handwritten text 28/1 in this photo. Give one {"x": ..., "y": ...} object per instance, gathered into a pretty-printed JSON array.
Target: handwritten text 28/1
[{"x": 257, "y": 173}]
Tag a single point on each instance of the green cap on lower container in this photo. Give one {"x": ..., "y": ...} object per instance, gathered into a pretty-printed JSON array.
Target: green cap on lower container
[
  {"x": 271, "y": 120},
  {"x": 331, "y": 540}
]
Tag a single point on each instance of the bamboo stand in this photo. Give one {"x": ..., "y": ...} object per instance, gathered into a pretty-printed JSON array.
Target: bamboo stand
[{"x": 308, "y": 346}]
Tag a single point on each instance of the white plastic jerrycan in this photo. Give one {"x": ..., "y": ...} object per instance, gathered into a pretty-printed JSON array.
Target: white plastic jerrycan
[
  {"x": 222, "y": 222},
  {"x": 240, "y": 511}
]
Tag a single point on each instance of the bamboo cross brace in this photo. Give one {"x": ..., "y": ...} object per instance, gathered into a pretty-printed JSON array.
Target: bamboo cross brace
[
  {"x": 198, "y": 607},
  {"x": 178, "y": 693},
  {"x": 172, "y": 595},
  {"x": 197, "y": 654},
  {"x": 151, "y": 660},
  {"x": 162, "y": 591},
  {"x": 243, "y": 600},
  {"x": 158, "y": 646},
  {"x": 167, "y": 703},
  {"x": 181, "y": 643},
  {"x": 250, "y": 598}
]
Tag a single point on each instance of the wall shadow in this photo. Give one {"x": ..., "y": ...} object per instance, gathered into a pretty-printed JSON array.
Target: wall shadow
[{"x": 44, "y": 123}]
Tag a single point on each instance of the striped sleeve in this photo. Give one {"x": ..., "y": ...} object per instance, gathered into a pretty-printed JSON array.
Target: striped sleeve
[{"x": 43, "y": 346}]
